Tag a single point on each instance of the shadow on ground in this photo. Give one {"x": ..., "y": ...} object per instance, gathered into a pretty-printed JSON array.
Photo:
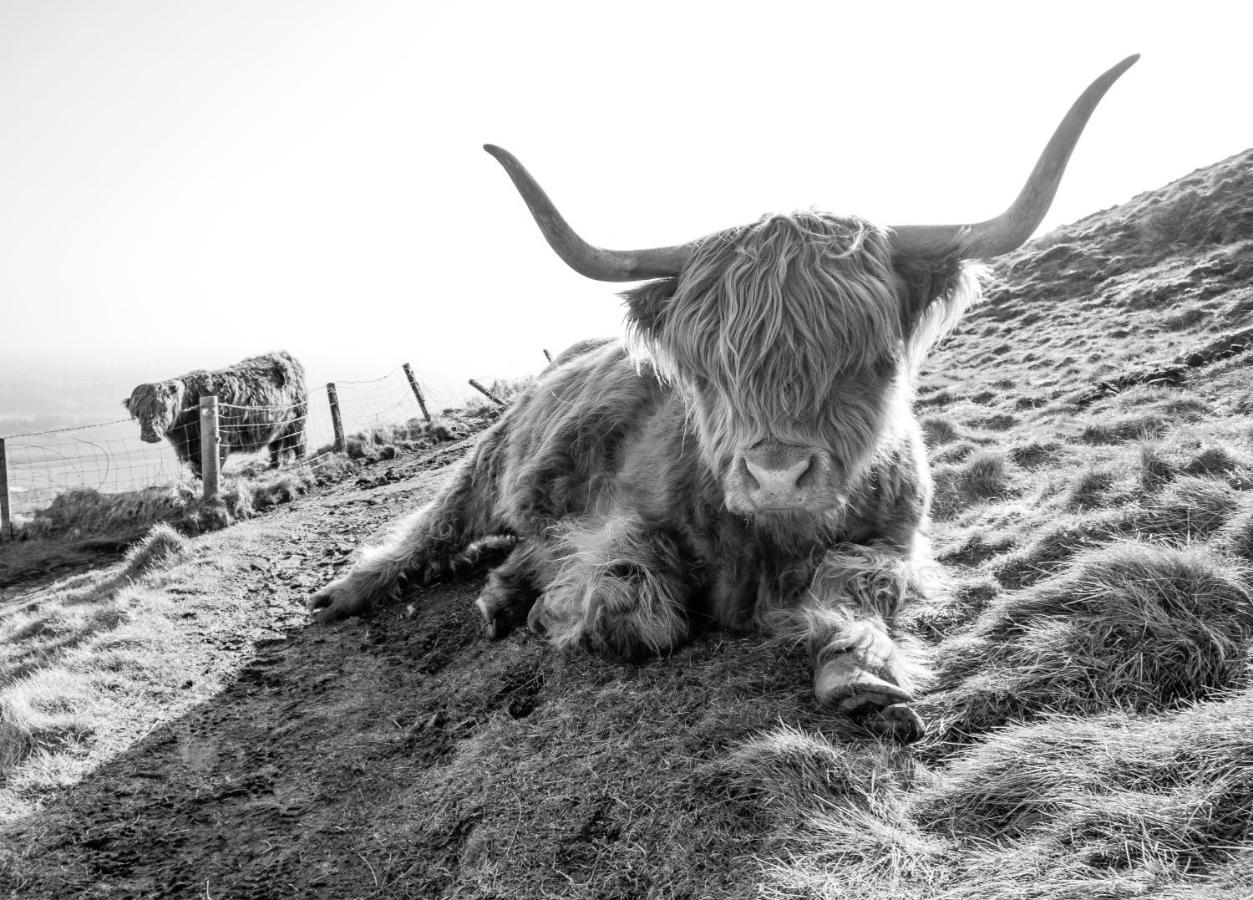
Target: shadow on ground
[{"x": 403, "y": 755}]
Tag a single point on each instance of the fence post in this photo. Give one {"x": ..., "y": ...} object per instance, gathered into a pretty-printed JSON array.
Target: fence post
[
  {"x": 417, "y": 391},
  {"x": 488, "y": 394},
  {"x": 210, "y": 444},
  {"x": 6, "y": 524},
  {"x": 336, "y": 422}
]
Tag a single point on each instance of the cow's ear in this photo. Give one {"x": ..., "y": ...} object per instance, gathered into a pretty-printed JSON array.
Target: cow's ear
[
  {"x": 646, "y": 304},
  {"x": 933, "y": 293}
]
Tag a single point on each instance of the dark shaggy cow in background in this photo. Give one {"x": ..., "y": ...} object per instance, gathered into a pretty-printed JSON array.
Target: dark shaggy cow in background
[
  {"x": 749, "y": 459},
  {"x": 262, "y": 402}
]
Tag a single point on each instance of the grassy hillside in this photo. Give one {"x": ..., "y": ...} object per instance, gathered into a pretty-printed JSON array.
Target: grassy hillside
[{"x": 170, "y": 727}]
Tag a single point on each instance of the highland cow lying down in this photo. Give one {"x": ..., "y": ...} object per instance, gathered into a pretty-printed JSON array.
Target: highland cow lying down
[
  {"x": 751, "y": 461},
  {"x": 262, "y": 402}
]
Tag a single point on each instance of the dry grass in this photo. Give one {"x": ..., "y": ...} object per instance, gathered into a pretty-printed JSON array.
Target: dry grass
[
  {"x": 58, "y": 653},
  {"x": 1128, "y": 625}
]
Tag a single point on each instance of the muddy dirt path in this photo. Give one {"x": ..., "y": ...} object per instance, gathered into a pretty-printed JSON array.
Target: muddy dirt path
[{"x": 397, "y": 755}]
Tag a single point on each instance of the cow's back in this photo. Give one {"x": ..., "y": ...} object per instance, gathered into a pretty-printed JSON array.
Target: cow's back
[
  {"x": 561, "y": 447},
  {"x": 259, "y": 398}
]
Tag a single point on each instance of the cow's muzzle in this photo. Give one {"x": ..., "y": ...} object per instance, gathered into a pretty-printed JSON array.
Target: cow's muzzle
[{"x": 773, "y": 476}]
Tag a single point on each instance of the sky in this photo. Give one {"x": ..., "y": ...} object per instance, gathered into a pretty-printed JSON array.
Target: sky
[{"x": 185, "y": 184}]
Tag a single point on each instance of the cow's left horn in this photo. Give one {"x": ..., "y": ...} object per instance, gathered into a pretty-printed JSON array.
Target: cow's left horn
[
  {"x": 1010, "y": 229},
  {"x": 594, "y": 262}
]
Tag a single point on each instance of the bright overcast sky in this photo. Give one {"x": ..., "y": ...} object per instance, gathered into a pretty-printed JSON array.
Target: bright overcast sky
[{"x": 197, "y": 182}]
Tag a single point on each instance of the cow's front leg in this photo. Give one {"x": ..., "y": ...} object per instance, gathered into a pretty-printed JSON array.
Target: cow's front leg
[
  {"x": 405, "y": 550},
  {"x": 861, "y": 668},
  {"x": 420, "y": 546},
  {"x": 618, "y": 587}
]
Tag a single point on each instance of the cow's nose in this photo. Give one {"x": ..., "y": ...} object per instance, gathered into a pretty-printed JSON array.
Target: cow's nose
[{"x": 777, "y": 477}]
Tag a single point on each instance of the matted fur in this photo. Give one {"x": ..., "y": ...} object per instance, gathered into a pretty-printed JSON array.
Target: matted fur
[
  {"x": 612, "y": 467},
  {"x": 262, "y": 402}
]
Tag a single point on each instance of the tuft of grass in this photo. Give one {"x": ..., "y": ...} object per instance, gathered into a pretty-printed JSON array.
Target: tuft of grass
[
  {"x": 1132, "y": 625},
  {"x": 983, "y": 475},
  {"x": 1190, "y": 507},
  {"x": 1236, "y": 536},
  {"x": 1124, "y": 429},
  {"x": 160, "y": 548},
  {"x": 1035, "y": 454},
  {"x": 938, "y": 431},
  {"x": 1091, "y": 489},
  {"x": 385, "y": 441},
  {"x": 85, "y": 511},
  {"x": 1220, "y": 462},
  {"x": 955, "y": 452},
  {"x": 778, "y": 777},
  {"x": 1155, "y": 469}
]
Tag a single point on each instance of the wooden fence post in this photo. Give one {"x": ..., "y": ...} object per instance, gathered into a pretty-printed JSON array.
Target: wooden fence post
[
  {"x": 336, "y": 422},
  {"x": 210, "y": 445},
  {"x": 488, "y": 394},
  {"x": 417, "y": 391},
  {"x": 6, "y": 523}
]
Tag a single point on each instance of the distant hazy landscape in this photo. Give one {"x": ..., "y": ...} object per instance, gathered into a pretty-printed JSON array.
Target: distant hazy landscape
[
  {"x": 36, "y": 395},
  {"x": 66, "y": 428}
]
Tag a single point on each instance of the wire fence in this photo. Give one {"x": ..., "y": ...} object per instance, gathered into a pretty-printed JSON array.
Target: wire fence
[{"x": 109, "y": 457}]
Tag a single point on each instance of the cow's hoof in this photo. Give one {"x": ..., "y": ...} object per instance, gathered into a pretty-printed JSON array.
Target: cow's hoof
[
  {"x": 899, "y": 722},
  {"x": 497, "y": 623},
  {"x": 503, "y": 606},
  {"x": 856, "y": 691},
  {"x": 334, "y": 602}
]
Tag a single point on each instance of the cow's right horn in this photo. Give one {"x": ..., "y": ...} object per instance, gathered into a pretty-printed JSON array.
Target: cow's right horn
[
  {"x": 1010, "y": 229},
  {"x": 594, "y": 262}
]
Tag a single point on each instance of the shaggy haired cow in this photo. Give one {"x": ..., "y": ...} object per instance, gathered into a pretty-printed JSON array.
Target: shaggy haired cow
[
  {"x": 749, "y": 458},
  {"x": 262, "y": 401}
]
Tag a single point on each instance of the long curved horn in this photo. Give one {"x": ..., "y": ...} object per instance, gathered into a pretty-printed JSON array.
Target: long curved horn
[
  {"x": 1010, "y": 229},
  {"x": 594, "y": 262}
]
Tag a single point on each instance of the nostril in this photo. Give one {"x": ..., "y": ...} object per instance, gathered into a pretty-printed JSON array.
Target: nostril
[
  {"x": 746, "y": 473},
  {"x": 807, "y": 475}
]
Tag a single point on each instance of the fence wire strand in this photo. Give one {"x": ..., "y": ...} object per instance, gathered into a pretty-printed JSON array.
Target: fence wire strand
[{"x": 109, "y": 457}]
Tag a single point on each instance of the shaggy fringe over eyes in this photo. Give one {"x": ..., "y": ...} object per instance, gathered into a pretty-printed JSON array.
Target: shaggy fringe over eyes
[
  {"x": 805, "y": 291},
  {"x": 148, "y": 404},
  {"x": 834, "y": 277}
]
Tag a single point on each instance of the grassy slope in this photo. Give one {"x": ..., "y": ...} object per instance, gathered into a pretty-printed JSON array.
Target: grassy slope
[{"x": 1092, "y": 722}]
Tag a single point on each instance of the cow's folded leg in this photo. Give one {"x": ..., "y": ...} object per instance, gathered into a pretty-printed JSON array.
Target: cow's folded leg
[
  {"x": 619, "y": 589},
  {"x": 511, "y": 590}
]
